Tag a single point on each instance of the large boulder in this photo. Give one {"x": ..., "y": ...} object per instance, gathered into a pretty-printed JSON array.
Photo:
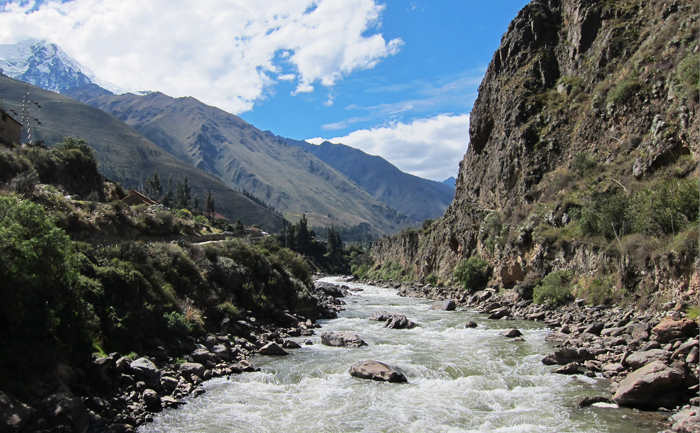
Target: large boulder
[
  {"x": 342, "y": 339},
  {"x": 66, "y": 413},
  {"x": 381, "y": 316},
  {"x": 670, "y": 329},
  {"x": 188, "y": 369},
  {"x": 330, "y": 289},
  {"x": 377, "y": 371},
  {"x": 511, "y": 333},
  {"x": 640, "y": 359},
  {"x": 146, "y": 371},
  {"x": 203, "y": 355},
  {"x": 499, "y": 313},
  {"x": 446, "y": 305},
  {"x": 566, "y": 355},
  {"x": 642, "y": 386},
  {"x": 13, "y": 414}
]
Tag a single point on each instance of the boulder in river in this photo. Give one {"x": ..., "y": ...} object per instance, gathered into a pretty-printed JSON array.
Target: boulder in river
[
  {"x": 399, "y": 321},
  {"x": 570, "y": 368},
  {"x": 376, "y": 370},
  {"x": 342, "y": 339},
  {"x": 471, "y": 324},
  {"x": 499, "y": 313},
  {"x": 511, "y": 333},
  {"x": 381, "y": 316},
  {"x": 589, "y": 401},
  {"x": 272, "y": 348},
  {"x": 446, "y": 305},
  {"x": 330, "y": 289}
]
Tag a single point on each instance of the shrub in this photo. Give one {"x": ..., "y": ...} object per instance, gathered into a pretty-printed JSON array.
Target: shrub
[
  {"x": 624, "y": 91},
  {"x": 607, "y": 215},
  {"x": 431, "y": 279},
  {"x": 584, "y": 164},
  {"x": 473, "y": 273},
  {"x": 177, "y": 323},
  {"x": 554, "y": 289}
]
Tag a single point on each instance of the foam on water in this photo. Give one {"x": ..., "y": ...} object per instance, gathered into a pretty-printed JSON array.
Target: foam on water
[{"x": 460, "y": 380}]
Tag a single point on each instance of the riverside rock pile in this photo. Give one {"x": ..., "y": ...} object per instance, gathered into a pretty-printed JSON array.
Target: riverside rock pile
[
  {"x": 651, "y": 357},
  {"x": 117, "y": 393}
]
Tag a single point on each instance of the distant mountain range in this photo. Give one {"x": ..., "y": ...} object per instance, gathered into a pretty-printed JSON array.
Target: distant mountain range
[
  {"x": 416, "y": 197},
  {"x": 451, "y": 181},
  {"x": 332, "y": 184}
]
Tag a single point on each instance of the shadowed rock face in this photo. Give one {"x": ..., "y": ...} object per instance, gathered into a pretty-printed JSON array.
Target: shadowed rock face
[{"x": 377, "y": 371}]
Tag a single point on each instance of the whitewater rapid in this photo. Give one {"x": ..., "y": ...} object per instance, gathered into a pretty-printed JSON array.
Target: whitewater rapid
[{"x": 459, "y": 380}]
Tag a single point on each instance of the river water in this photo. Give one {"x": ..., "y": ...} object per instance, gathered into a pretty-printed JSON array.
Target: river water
[{"x": 460, "y": 380}]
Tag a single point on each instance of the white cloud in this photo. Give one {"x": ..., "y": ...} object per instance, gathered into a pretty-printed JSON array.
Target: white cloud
[
  {"x": 429, "y": 148},
  {"x": 223, "y": 52}
]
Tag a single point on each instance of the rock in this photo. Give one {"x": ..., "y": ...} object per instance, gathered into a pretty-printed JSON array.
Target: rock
[
  {"x": 684, "y": 349},
  {"x": 342, "y": 339},
  {"x": 640, "y": 359},
  {"x": 381, "y": 316},
  {"x": 556, "y": 337},
  {"x": 146, "y": 371},
  {"x": 640, "y": 387},
  {"x": 570, "y": 368},
  {"x": 272, "y": 348},
  {"x": 638, "y": 331},
  {"x": 13, "y": 414},
  {"x": 191, "y": 368},
  {"x": 614, "y": 367},
  {"x": 399, "y": 321},
  {"x": 446, "y": 305},
  {"x": 536, "y": 316},
  {"x": 65, "y": 412},
  {"x": 471, "y": 324},
  {"x": 511, "y": 333},
  {"x": 377, "y": 371},
  {"x": 588, "y": 401},
  {"x": 330, "y": 289},
  {"x": 594, "y": 329},
  {"x": 499, "y": 313},
  {"x": 290, "y": 344},
  {"x": 169, "y": 402},
  {"x": 151, "y": 399},
  {"x": 203, "y": 355},
  {"x": 221, "y": 351},
  {"x": 285, "y": 319},
  {"x": 670, "y": 329},
  {"x": 692, "y": 357},
  {"x": 686, "y": 421}
]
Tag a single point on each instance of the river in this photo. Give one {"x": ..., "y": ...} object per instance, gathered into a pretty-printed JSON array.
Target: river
[{"x": 460, "y": 380}]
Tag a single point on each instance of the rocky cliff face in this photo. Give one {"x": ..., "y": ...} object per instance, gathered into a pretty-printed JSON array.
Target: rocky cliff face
[{"x": 575, "y": 84}]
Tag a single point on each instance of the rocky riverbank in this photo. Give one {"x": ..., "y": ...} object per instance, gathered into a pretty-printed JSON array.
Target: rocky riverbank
[
  {"x": 117, "y": 393},
  {"x": 650, "y": 357}
]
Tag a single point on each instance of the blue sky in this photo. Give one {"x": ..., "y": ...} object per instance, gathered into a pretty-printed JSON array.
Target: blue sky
[{"x": 394, "y": 78}]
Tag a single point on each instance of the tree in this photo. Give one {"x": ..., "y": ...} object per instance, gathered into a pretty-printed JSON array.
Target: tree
[
  {"x": 209, "y": 207},
  {"x": 196, "y": 205},
  {"x": 238, "y": 227},
  {"x": 153, "y": 187},
  {"x": 168, "y": 197},
  {"x": 303, "y": 239}
]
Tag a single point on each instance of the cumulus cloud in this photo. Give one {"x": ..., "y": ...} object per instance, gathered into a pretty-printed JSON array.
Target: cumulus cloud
[
  {"x": 223, "y": 52},
  {"x": 429, "y": 147}
]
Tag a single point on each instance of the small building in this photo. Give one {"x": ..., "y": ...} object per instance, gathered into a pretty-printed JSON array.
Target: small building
[
  {"x": 10, "y": 129},
  {"x": 135, "y": 198}
]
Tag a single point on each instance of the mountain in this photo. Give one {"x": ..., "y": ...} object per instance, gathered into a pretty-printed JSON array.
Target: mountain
[
  {"x": 451, "y": 181},
  {"x": 288, "y": 178},
  {"x": 583, "y": 160},
  {"x": 46, "y": 65},
  {"x": 418, "y": 198},
  {"x": 124, "y": 154}
]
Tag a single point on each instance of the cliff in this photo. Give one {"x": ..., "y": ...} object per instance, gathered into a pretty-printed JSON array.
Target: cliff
[{"x": 587, "y": 118}]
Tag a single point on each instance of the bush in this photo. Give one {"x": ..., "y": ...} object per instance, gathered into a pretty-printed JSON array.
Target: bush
[
  {"x": 177, "y": 324},
  {"x": 554, "y": 289},
  {"x": 584, "y": 164},
  {"x": 606, "y": 215},
  {"x": 473, "y": 273},
  {"x": 431, "y": 279},
  {"x": 624, "y": 91}
]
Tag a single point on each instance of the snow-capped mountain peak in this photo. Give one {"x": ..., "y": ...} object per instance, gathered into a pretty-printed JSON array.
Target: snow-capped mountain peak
[{"x": 46, "y": 65}]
